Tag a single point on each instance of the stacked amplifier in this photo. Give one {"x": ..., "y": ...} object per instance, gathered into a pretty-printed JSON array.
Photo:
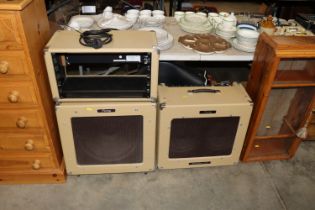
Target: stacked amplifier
[
  {"x": 106, "y": 106},
  {"x": 105, "y": 101}
]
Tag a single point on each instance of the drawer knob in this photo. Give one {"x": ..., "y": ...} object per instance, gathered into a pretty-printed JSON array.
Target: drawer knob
[
  {"x": 36, "y": 165},
  {"x": 21, "y": 122},
  {"x": 29, "y": 145},
  {"x": 13, "y": 96},
  {"x": 4, "y": 67}
]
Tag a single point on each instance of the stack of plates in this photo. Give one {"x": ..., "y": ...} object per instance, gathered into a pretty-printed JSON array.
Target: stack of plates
[
  {"x": 117, "y": 22},
  {"x": 165, "y": 39},
  {"x": 246, "y": 40},
  {"x": 246, "y": 48},
  {"x": 152, "y": 21},
  {"x": 226, "y": 33},
  {"x": 196, "y": 24}
]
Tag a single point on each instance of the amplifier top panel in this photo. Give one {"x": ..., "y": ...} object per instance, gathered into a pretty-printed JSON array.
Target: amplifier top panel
[
  {"x": 122, "y": 41},
  {"x": 210, "y": 95}
]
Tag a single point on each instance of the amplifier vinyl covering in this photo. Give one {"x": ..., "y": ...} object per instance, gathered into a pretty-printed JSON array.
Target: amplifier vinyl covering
[
  {"x": 111, "y": 137},
  {"x": 126, "y": 69}
]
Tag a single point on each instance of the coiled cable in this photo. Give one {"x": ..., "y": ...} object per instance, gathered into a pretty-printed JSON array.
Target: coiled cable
[{"x": 95, "y": 38}]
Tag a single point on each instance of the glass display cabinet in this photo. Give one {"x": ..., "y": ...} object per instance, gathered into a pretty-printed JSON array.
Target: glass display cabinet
[{"x": 282, "y": 86}]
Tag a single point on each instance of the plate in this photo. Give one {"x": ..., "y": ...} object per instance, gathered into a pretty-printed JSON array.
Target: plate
[
  {"x": 220, "y": 52},
  {"x": 194, "y": 25},
  {"x": 166, "y": 44},
  {"x": 248, "y": 34},
  {"x": 164, "y": 39},
  {"x": 237, "y": 46},
  {"x": 200, "y": 30},
  {"x": 81, "y": 21},
  {"x": 224, "y": 35},
  {"x": 204, "y": 53},
  {"x": 246, "y": 26},
  {"x": 151, "y": 21},
  {"x": 195, "y": 19},
  {"x": 185, "y": 46},
  {"x": 118, "y": 22},
  {"x": 228, "y": 30},
  {"x": 161, "y": 34}
]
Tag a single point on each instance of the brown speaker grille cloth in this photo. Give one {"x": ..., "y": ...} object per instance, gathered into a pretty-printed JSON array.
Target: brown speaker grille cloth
[
  {"x": 108, "y": 140},
  {"x": 202, "y": 137}
]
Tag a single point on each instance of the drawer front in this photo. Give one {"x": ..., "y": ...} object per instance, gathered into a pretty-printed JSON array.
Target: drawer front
[
  {"x": 12, "y": 63},
  {"x": 28, "y": 143},
  {"x": 10, "y": 38},
  {"x": 20, "y": 119},
  {"x": 26, "y": 163},
  {"x": 17, "y": 93}
]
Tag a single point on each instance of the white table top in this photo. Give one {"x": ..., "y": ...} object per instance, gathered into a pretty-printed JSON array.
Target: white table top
[{"x": 179, "y": 53}]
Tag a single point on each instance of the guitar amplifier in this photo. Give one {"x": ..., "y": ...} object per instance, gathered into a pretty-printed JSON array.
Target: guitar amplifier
[{"x": 201, "y": 126}]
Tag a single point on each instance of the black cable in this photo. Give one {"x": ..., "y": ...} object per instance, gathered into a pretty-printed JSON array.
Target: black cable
[{"x": 95, "y": 38}]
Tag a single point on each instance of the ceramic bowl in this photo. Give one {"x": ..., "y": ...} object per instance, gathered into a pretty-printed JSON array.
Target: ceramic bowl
[
  {"x": 194, "y": 19},
  {"x": 247, "y": 37},
  {"x": 225, "y": 28},
  {"x": 202, "y": 14},
  {"x": 146, "y": 12},
  {"x": 160, "y": 17},
  {"x": 189, "y": 12},
  {"x": 144, "y": 17},
  {"x": 131, "y": 17},
  {"x": 133, "y": 11},
  {"x": 178, "y": 15},
  {"x": 246, "y": 26},
  {"x": 151, "y": 22},
  {"x": 213, "y": 14},
  {"x": 229, "y": 21},
  {"x": 108, "y": 9},
  {"x": 157, "y": 12},
  {"x": 223, "y": 14}
]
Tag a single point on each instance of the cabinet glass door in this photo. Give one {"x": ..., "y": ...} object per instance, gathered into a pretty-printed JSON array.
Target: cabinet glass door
[
  {"x": 296, "y": 70},
  {"x": 285, "y": 110}
]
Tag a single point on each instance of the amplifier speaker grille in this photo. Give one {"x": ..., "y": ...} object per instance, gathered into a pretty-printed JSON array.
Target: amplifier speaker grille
[
  {"x": 108, "y": 140},
  {"x": 202, "y": 137}
]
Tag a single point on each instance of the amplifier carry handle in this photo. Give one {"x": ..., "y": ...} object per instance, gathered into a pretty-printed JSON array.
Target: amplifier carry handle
[{"x": 204, "y": 91}]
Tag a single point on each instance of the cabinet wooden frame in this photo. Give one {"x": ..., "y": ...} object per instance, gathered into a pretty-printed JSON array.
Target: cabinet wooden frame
[
  {"x": 30, "y": 150},
  {"x": 282, "y": 86}
]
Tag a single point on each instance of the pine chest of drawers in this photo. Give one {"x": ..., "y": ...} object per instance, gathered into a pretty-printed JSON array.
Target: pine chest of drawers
[{"x": 29, "y": 143}]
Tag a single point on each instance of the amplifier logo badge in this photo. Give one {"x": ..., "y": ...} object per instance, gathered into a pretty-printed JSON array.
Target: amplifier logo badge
[{"x": 105, "y": 110}]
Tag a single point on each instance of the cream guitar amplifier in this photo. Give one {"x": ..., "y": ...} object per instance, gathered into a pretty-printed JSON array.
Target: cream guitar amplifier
[{"x": 201, "y": 126}]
